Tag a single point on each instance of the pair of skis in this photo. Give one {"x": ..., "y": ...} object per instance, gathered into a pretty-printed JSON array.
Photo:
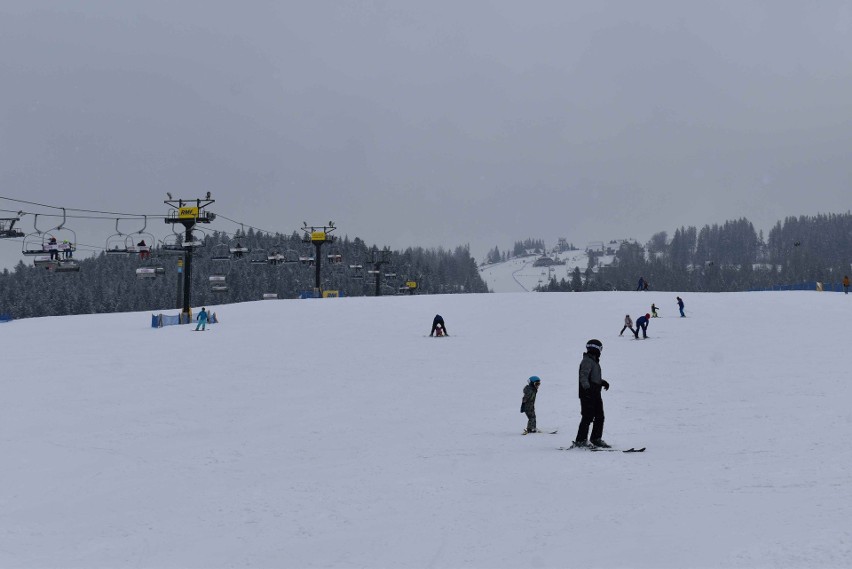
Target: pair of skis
[
  {"x": 601, "y": 449},
  {"x": 540, "y": 432},
  {"x": 588, "y": 448}
]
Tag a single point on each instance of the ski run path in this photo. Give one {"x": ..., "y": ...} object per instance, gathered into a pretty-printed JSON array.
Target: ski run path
[{"x": 335, "y": 433}]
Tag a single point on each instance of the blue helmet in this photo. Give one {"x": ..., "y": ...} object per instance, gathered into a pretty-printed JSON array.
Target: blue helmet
[{"x": 535, "y": 379}]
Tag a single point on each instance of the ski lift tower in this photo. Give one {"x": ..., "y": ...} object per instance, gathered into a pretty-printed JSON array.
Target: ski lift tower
[
  {"x": 379, "y": 258},
  {"x": 319, "y": 236},
  {"x": 188, "y": 213}
]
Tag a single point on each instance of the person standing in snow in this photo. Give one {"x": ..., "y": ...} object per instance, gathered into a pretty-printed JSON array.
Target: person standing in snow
[
  {"x": 528, "y": 402},
  {"x": 642, "y": 324},
  {"x": 591, "y": 403},
  {"x": 641, "y": 285},
  {"x": 846, "y": 284},
  {"x": 202, "y": 320},
  {"x": 654, "y": 311},
  {"x": 628, "y": 324},
  {"x": 680, "y": 306},
  {"x": 438, "y": 321}
]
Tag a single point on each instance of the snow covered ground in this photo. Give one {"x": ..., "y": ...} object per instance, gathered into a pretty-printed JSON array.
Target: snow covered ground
[
  {"x": 334, "y": 433},
  {"x": 519, "y": 275}
]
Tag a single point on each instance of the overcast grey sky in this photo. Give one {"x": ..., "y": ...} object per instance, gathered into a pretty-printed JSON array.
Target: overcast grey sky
[{"x": 431, "y": 123}]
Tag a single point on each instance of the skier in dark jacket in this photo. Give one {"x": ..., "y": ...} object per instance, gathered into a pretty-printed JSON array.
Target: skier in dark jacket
[
  {"x": 642, "y": 324},
  {"x": 591, "y": 404},
  {"x": 438, "y": 321},
  {"x": 680, "y": 306},
  {"x": 641, "y": 285},
  {"x": 528, "y": 402},
  {"x": 654, "y": 311}
]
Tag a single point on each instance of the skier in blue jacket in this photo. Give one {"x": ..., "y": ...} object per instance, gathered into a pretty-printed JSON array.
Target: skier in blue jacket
[
  {"x": 642, "y": 324},
  {"x": 680, "y": 306},
  {"x": 202, "y": 320}
]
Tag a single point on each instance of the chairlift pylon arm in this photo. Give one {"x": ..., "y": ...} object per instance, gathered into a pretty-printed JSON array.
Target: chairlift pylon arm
[{"x": 58, "y": 227}]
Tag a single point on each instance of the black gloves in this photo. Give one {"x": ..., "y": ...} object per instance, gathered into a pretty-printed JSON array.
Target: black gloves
[{"x": 605, "y": 384}]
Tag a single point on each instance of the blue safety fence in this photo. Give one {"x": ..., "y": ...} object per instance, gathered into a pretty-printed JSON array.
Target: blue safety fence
[
  {"x": 6, "y": 317},
  {"x": 807, "y": 285},
  {"x": 160, "y": 320}
]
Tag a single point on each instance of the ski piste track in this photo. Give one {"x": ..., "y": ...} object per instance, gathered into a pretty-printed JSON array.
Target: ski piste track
[{"x": 516, "y": 278}]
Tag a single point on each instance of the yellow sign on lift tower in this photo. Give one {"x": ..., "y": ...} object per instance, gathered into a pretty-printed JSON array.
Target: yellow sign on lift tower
[
  {"x": 318, "y": 236},
  {"x": 188, "y": 213}
]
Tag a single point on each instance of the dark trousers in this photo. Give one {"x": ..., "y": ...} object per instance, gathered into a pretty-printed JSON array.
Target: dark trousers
[
  {"x": 591, "y": 411},
  {"x": 530, "y": 418},
  {"x": 626, "y": 327},
  {"x": 644, "y": 329}
]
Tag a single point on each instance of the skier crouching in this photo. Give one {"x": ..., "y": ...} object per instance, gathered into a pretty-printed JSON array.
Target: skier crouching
[
  {"x": 591, "y": 403},
  {"x": 528, "y": 402}
]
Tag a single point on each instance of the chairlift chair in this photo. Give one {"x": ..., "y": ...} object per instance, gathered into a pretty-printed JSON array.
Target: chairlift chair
[
  {"x": 150, "y": 270},
  {"x": 307, "y": 258},
  {"x": 220, "y": 253},
  {"x": 67, "y": 266},
  {"x": 275, "y": 256},
  {"x": 35, "y": 243},
  {"x": 258, "y": 257},
  {"x": 7, "y": 228},
  {"x": 44, "y": 261},
  {"x": 357, "y": 271},
  {"x": 334, "y": 256},
  {"x": 237, "y": 249},
  {"x": 145, "y": 239},
  {"x": 172, "y": 244},
  {"x": 291, "y": 257},
  {"x": 218, "y": 283},
  {"x": 116, "y": 244},
  {"x": 66, "y": 239}
]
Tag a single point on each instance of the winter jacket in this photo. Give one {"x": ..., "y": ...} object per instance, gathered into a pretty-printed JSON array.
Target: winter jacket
[
  {"x": 641, "y": 322},
  {"x": 628, "y": 321},
  {"x": 202, "y": 316},
  {"x": 591, "y": 381},
  {"x": 529, "y": 394}
]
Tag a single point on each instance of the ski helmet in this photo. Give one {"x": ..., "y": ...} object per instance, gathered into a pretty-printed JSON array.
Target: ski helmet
[
  {"x": 595, "y": 345},
  {"x": 647, "y": 316},
  {"x": 535, "y": 379}
]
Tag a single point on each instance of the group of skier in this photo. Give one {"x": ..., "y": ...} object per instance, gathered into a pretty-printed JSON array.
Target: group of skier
[
  {"x": 642, "y": 321},
  {"x": 591, "y": 384}
]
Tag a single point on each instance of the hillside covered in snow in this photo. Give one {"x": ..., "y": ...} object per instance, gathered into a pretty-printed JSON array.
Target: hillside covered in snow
[{"x": 336, "y": 433}]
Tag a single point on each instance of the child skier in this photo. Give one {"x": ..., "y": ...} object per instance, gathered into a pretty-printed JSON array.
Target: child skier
[
  {"x": 528, "y": 402},
  {"x": 628, "y": 324},
  {"x": 654, "y": 310}
]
